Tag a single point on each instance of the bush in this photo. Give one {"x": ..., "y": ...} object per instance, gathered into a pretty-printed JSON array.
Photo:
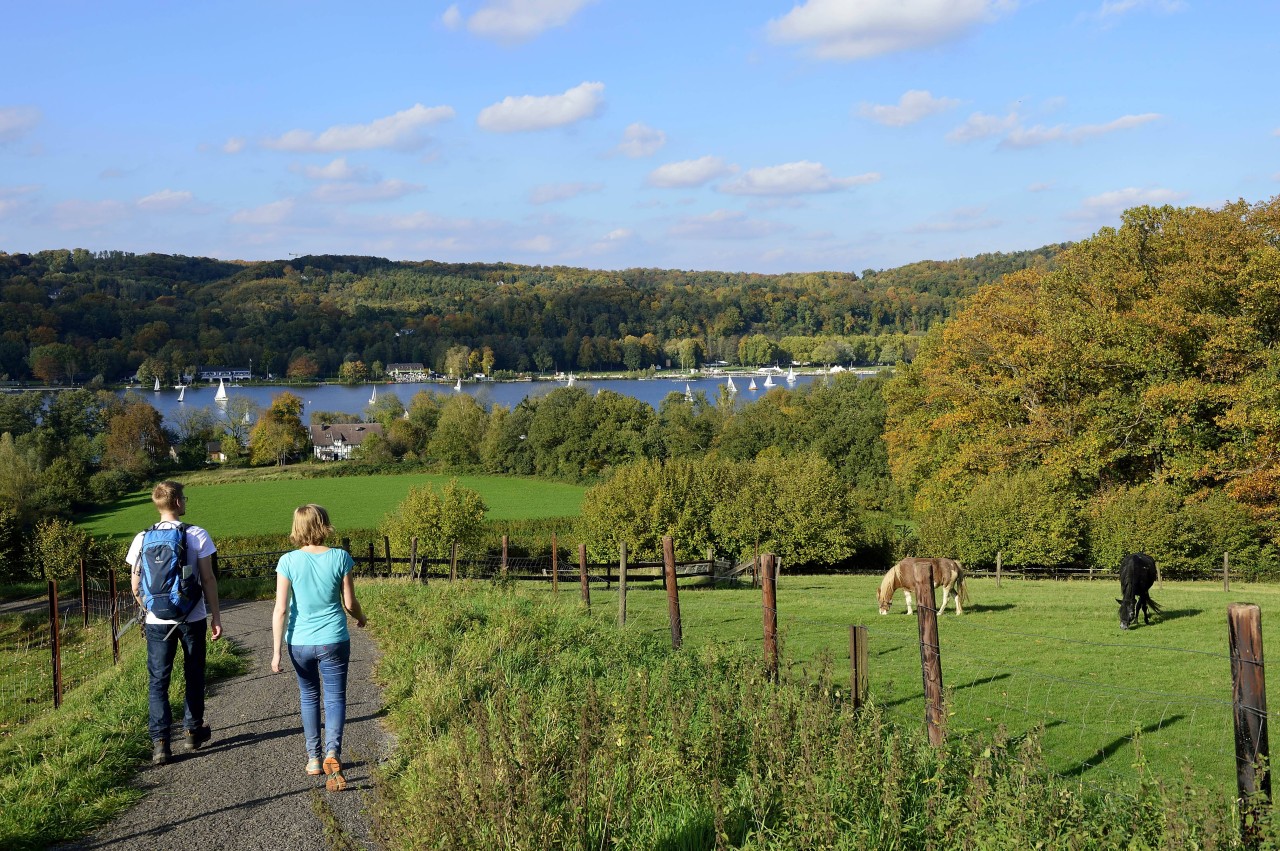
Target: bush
[
  {"x": 56, "y": 549},
  {"x": 107, "y": 486}
]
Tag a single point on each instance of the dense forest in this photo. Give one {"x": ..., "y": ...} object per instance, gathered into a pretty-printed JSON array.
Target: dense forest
[{"x": 70, "y": 316}]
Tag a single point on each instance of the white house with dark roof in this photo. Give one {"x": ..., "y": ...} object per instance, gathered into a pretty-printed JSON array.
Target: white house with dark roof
[{"x": 336, "y": 442}]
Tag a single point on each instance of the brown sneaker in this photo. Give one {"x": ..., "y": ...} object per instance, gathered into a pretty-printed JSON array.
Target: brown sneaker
[
  {"x": 193, "y": 739},
  {"x": 160, "y": 754},
  {"x": 334, "y": 781}
]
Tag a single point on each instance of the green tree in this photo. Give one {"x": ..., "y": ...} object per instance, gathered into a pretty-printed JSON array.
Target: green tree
[
  {"x": 437, "y": 520},
  {"x": 279, "y": 434},
  {"x": 459, "y": 432}
]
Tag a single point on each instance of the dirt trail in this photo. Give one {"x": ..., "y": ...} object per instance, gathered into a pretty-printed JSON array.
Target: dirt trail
[{"x": 246, "y": 788}]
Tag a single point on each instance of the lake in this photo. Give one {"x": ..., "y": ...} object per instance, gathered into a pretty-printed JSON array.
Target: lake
[{"x": 354, "y": 398}]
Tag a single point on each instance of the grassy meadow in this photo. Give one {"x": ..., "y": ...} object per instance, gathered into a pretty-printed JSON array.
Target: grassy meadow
[{"x": 244, "y": 507}]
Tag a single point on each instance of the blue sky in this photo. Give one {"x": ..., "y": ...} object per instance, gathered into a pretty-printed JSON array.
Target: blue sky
[{"x": 745, "y": 136}]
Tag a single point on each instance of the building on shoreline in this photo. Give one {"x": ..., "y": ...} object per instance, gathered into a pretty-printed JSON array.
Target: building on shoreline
[{"x": 336, "y": 442}]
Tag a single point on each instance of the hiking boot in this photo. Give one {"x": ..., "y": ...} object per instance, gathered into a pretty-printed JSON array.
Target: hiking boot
[
  {"x": 193, "y": 739},
  {"x": 313, "y": 767},
  {"x": 334, "y": 781},
  {"x": 160, "y": 754}
]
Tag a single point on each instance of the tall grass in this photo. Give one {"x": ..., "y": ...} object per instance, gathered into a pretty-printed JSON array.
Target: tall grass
[{"x": 522, "y": 723}]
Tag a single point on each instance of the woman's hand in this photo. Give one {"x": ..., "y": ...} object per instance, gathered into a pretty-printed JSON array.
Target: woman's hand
[
  {"x": 275, "y": 662},
  {"x": 360, "y": 621}
]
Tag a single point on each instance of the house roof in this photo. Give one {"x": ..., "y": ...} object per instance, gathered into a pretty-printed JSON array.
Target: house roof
[{"x": 352, "y": 434}]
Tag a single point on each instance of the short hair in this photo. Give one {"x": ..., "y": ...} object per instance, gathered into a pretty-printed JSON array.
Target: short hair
[
  {"x": 165, "y": 496},
  {"x": 310, "y": 525}
]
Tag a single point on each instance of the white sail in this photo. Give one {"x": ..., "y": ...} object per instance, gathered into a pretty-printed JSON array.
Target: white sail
[
  {"x": 221, "y": 395},
  {"x": 688, "y": 394},
  {"x": 571, "y": 380},
  {"x": 157, "y": 384},
  {"x": 752, "y": 385},
  {"x": 732, "y": 388},
  {"x": 768, "y": 381},
  {"x": 374, "y": 397},
  {"x": 182, "y": 391},
  {"x": 458, "y": 386},
  {"x": 791, "y": 375}
]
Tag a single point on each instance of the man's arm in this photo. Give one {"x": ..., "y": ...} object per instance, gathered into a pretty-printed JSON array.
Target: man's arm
[{"x": 209, "y": 583}]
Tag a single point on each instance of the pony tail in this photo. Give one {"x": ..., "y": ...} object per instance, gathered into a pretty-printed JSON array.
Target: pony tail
[{"x": 963, "y": 588}]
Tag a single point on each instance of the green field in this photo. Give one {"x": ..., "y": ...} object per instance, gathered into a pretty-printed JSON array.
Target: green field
[
  {"x": 1028, "y": 653},
  {"x": 264, "y": 507}
]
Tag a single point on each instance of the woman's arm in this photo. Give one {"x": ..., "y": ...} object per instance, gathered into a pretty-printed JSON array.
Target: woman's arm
[
  {"x": 277, "y": 619},
  {"x": 349, "y": 601}
]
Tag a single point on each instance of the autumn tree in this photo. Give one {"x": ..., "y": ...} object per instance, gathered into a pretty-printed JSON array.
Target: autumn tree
[{"x": 279, "y": 434}]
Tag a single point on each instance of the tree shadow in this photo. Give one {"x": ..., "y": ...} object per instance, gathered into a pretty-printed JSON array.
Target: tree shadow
[{"x": 1109, "y": 750}]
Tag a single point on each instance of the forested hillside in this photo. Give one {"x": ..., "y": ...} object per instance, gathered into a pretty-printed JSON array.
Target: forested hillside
[{"x": 74, "y": 315}]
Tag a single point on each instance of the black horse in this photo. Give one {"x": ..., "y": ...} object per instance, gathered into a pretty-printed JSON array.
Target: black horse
[{"x": 1137, "y": 573}]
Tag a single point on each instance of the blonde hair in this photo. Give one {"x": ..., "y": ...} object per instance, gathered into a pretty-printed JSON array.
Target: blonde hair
[
  {"x": 166, "y": 495},
  {"x": 310, "y": 525}
]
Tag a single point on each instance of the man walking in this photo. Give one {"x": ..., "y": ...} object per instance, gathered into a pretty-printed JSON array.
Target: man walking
[{"x": 172, "y": 568}]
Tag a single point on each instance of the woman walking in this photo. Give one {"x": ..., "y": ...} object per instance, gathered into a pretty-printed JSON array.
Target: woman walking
[{"x": 315, "y": 592}]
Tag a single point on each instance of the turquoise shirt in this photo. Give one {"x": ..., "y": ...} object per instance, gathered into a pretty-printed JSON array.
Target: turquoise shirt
[{"x": 316, "y": 615}]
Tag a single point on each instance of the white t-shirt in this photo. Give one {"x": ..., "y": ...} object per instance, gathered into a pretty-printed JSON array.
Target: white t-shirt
[{"x": 199, "y": 545}]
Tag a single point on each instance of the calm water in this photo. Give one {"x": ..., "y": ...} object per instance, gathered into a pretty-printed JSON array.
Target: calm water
[{"x": 353, "y": 399}]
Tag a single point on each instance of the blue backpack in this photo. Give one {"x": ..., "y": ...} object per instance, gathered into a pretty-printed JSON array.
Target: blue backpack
[{"x": 170, "y": 586}]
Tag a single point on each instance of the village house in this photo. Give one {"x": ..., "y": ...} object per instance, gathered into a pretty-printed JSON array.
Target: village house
[
  {"x": 336, "y": 442},
  {"x": 407, "y": 372}
]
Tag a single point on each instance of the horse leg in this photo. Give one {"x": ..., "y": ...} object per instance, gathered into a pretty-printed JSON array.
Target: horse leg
[
  {"x": 945, "y": 589},
  {"x": 907, "y": 594},
  {"x": 959, "y": 611}
]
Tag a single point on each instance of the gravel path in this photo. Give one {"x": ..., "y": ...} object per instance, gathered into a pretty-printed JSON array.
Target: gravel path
[{"x": 246, "y": 788}]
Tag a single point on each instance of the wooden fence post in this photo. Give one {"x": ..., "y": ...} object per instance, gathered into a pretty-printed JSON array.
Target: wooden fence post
[
  {"x": 386, "y": 542},
  {"x": 1249, "y": 699},
  {"x": 453, "y": 561},
  {"x": 372, "y": 560},
  {"x": 84, "y": 594},
  {"x": 505, "y": 541},
  {"x": 346, "y": 544},
  {"x": 770, "y": 615},
  {"x": 413, "y": 561},
  {"x": 858, "y": 674},
  {"x": 755, "y": 566},
  {"x": 582, "y": 574},
  {"x": 1226, "y": 571},
  {"x": 930, "y": 657},
  {"x": 55, "y": 644},
  {"x": 999, "y": 556},
  {"x": 622, "y": 584},
  {"x": 673, "y": 593},
  {"x": 115, "y": 617},
  {"x": 555, "y": 566}
]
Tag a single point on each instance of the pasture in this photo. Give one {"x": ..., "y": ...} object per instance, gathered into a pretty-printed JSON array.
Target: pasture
[
  {"x": 265, "y": 506},
  {"x": 1029, "y": 653}
]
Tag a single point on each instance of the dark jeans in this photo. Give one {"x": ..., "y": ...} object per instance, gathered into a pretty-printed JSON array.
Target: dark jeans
[
  {"x": 322, "y": 668},
  {"x": 160, "y": 654}
]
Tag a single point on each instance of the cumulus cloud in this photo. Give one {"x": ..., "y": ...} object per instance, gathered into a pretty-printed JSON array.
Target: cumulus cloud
[
  {"x": 913, "y": 106},
  {"x": 404, "y": 130},
  {"x": 513, "y": 21},
  {"x": 641, "y": 140},
  {"x": 234, "y": 145},
  {"x": 533, "y": 112},
  {"x": 274, "y": 213},
  {"x": 981, "y": 126},
  {"x": 338, "y": 169},
  {"x": 355, "y": 192},
  {"x": 689, "y": 173},
  {"x": 798, "y": 178},
  {"x": 1016, "y": 135},
  {"x": 724, "y": 224},
  {"x": 1109, "y": 205},
  {"x": 549, "y": 193},
  {"x": 841, "y": 30},
  {"x": 166, "y": 201},
  {"x": 17, "y": 121}
]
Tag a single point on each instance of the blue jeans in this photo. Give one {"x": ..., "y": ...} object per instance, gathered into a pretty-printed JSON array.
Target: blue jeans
[
  {"x": 317, "y": 664},
  {"x": 162, "y": 646}
]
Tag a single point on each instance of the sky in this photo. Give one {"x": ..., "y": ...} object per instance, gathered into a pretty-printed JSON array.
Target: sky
[{"x": 745, "y": 136}]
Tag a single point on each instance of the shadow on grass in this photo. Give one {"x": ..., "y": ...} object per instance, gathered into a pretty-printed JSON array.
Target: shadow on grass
[{"x": 1109, "y": 750}]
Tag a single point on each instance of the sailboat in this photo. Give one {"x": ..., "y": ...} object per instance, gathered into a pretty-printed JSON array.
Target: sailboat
[
  {"x": 157, "y": 384},
  {"x": 688, "y": 394},
  {"x": 768, "y": 381},
  {"x": 458, "y": 386},
  {"x": 374, "y": 397},
  {"x": 791, "y": 375},
  {"x": 571, "y": 380},
  {"x": 182, "y": 391},
  {"x": 221, "y": 395},
  {"x": 732, "y": 388},
  {"x": 752, "y": 385}
]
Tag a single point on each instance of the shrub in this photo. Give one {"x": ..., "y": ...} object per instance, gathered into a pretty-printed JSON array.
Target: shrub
[{"x": 56, "y": 549}]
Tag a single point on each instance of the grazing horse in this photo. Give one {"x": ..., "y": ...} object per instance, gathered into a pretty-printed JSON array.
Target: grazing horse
[
  {"x": 947, "y": 573},
  {"x": 1137, "y": 572}
]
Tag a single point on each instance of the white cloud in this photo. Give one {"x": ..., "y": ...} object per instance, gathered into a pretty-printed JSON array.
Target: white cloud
[
  {"x": 913, "y": 106},
  {"x": 959, "y": 220},
  {"x": 798, "y": 178},
  {"x": 1016, "y": 135},
  {"x": 1109, "y": 205},
  {"x": 14, "y": 197},
  {"x": 17, "y": 121},
  {"x": 724, "y": 224},
  {"x": 402, "y": 130},
  {"x": 689, "y": 172},
  {"x": 514, "y": 21},
  {"x": 274, "y": 213},
  {"x": 338, "y": 169},
  {"x": 1040, "y": 187},
  {"x": 843, "y": 30},
  {"x": 532, "y": 112},
  {"x": 551, "y": 192},
  {"x": 165, "y": 201},
  {"x": 641, "y": 140},
  {"x": 1116, "y": 8},
  {"x": 355, "y": 192},
  {"x": 980, "y": 126},
  {"x": 234, "y": 145},
  {"x": 615, "y": 240},
  {"x": 541, "y": 244}
]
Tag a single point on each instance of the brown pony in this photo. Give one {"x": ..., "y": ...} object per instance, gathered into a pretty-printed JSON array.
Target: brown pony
[{"x": 947, "y": 573}]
